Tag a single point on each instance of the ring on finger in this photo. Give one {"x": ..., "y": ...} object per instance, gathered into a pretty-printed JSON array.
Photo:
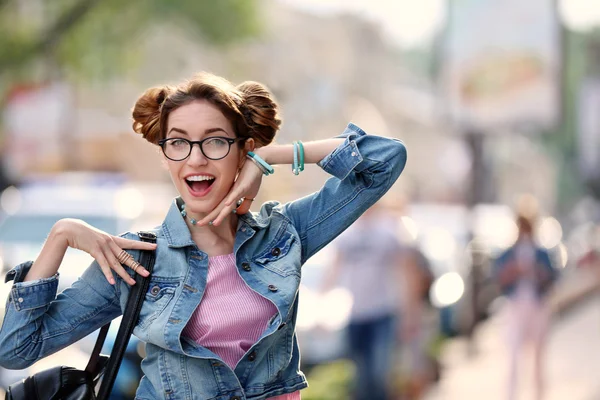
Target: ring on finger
[
  {"x": 135, "y": 266},
  {"x": 123, "y": 257}
]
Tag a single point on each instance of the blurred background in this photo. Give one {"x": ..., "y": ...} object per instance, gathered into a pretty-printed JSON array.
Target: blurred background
[{"x": 496, "y": 100}]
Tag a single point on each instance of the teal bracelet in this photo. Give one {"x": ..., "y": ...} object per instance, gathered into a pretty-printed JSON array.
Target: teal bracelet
[
  {"x": 262, "y": 164},
  {"x": 295, "y": 168},
  {"x": 260, "y": 167},
  {"x": 301, "y": 150}
]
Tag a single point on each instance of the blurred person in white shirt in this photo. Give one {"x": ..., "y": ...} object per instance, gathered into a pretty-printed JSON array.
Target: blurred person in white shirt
[
  {"x": 378, "y": 269},
  {"x": 525, "y": 275}
]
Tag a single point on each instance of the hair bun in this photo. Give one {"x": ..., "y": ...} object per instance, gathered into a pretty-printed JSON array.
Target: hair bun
[
  {"x": 146, "y": 113},
  {"x": 260, "y": 111}
]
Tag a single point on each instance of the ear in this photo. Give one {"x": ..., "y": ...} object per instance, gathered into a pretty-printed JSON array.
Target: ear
[{"x": 249, "y": 145}]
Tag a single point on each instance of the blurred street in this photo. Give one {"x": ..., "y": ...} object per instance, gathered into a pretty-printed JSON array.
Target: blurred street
[
  {"x": 572, "y": 364},
  {"x": 496, "y": 102}
]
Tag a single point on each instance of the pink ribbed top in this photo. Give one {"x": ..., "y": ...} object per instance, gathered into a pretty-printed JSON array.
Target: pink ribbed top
[{"x": 231, "y": 316}]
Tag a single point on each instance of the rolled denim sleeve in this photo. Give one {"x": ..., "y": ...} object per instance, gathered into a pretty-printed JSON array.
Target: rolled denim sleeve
[
  {"x": 31, "y": 294},
  {"x": 39, "y": 322},
  {"x": 343, "y": 160},
  {"x": 364, "y": 167}
]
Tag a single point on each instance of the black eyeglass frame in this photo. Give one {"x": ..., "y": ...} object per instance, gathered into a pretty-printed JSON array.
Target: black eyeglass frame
[{"x": 230, "y": 141}]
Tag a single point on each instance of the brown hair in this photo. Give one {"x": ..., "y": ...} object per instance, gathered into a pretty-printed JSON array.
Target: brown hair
[
  {"x": 525, "y": 224},
  {"x": 249, "y": 107}
]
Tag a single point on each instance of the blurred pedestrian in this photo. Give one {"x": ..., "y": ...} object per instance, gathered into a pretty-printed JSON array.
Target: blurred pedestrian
[
  {"x": 220, "y": 312},
  {"x": 381, "y": 274},
  {"x": 525, "y": 275}
]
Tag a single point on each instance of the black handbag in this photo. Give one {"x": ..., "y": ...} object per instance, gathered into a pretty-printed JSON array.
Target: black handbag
[{"x": 67, "y": 383}]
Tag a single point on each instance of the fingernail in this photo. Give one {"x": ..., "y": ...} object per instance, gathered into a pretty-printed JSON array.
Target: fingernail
[
  {"x": 145, "y": 273},
  {"x": 132, "y": 282},
  {"x": 111, "y": 281}
]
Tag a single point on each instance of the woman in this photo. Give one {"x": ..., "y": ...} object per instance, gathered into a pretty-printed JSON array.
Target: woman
[
  {"x": 525, "y": 274},
  {"x": 220, "y": 311}
]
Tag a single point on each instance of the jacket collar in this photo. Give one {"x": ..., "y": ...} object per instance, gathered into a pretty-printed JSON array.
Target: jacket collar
[
  {"x": 253, "y": 220},
  {"x": 174, "y": 227},
  {"x": 178, "y": 234}
]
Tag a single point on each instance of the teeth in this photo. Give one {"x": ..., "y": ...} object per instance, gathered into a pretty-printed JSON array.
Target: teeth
[{"x": 199, "y": 178}]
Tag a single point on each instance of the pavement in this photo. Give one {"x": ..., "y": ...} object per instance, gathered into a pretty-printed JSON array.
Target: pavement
[{"x": 572, "y": 359}]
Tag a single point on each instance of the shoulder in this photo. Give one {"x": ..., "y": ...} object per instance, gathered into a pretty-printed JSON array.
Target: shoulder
[
  {"x": 543, "y": 255},
  {"x": 129, "y": 235},
  {"x": 505, "y": 255}
]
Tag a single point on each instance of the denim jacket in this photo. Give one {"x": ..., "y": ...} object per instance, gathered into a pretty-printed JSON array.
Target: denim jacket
[
  {"x": 270, "y": 248},
  {"x": 542, "y": 262}
]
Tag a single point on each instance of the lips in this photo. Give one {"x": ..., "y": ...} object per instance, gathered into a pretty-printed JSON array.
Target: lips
[{"x": 199, "y": 185}]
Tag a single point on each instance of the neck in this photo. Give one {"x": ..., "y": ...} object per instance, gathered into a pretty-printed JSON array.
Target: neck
[
  {"x": 214, "y": 240},
  {"x": 229, "y": 223},
  {"x": 524, "y": 238}
]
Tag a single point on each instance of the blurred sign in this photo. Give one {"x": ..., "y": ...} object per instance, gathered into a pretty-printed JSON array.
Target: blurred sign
[
  {"x": 35, "y": 119},
  {"x": 500, "y": 64}
]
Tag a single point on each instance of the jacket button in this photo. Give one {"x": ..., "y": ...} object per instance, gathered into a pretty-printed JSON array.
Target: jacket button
[
  {"x": 276, "y": 251},
  {"x": 236, "y": 398},
  {"x": 273, "y": 288},
  {"x": 155, "y": 290},
  {"x": 252, "y": 356},
  {"x": 246, "y": 266}
]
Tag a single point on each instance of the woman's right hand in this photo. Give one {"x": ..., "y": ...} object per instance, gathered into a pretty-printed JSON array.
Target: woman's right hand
[{"x": 107, "y": 250}]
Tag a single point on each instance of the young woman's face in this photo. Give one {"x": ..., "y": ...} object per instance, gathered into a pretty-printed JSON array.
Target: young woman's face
[{"x": 202, "y": 183}]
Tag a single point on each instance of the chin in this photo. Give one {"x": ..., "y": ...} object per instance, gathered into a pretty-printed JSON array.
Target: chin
[{"x": 197, "y": 205}]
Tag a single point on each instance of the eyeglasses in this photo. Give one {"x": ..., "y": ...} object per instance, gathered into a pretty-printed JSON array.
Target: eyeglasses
[{"x": 213, "y": 148}]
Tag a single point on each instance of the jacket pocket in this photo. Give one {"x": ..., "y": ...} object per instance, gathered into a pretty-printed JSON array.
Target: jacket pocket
[
  {"x": 274, "y": 257},
  {"x": 159, "y": 294}
]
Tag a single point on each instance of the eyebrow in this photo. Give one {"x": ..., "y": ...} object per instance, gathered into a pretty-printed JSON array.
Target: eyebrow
[{"x": 206, "y": 132}]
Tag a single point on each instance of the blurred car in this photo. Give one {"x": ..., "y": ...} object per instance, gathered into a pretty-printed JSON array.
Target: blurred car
[
  {"x": 106, "y": 201},
  {"x": 27, "y": 213}
]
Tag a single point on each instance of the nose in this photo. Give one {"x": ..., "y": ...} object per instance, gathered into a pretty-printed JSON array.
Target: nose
[{"x": 196, "y": 156}]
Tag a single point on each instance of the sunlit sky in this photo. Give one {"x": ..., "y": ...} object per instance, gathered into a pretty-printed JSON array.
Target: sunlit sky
[
  {"x": 411, "y": 23},
  {"x": 407, "y": 23}
]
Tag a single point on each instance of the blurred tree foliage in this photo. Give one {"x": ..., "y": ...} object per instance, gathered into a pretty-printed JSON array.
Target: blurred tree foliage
[
  {"x": 39, "y": 38},
  {"x": 330, "y": 381},
  {"x": 92, "y": 40}
]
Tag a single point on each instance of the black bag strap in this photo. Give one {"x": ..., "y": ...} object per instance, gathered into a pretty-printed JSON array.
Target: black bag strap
[
  {"x": 93, "y": 365},
  {"x": 130, "y": 318}
]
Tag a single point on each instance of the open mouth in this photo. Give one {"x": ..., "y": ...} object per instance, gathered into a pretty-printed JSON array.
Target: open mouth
[{"x": 199, "y": 185}]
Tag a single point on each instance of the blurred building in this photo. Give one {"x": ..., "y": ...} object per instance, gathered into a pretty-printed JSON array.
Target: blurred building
[{"x": 324, "y": 70}]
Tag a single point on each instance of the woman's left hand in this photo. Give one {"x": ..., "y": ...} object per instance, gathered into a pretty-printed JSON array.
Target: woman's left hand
[{"x": 245, "y": 186}]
